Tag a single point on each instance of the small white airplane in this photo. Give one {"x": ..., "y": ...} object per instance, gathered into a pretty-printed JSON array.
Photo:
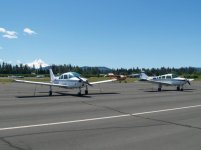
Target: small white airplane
[
  {"x": 166, "y": 80},
  {"x": 69, "y": 80}
]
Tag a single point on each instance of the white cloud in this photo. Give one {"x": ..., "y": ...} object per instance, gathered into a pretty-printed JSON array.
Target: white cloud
[
  {"x": 29, "y": 31},
  {"x": 11, "y": 33},
  {"x": 2, "y": 30},
  {"x": 1, "y": 60},
  {"x": 8, "y": 34}
]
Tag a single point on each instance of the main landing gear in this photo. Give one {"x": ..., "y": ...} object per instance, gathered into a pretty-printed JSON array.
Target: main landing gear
[
  {"x": 159, "y": 88},
  {"x": 79, "y": 92},
  {"x": 50, "y": 91},
  {"x": 180, "y": 89},
  {"x": 85, "y": 92}
]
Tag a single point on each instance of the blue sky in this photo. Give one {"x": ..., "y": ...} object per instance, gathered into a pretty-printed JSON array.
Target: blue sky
[{"x": 111, "y": 33}]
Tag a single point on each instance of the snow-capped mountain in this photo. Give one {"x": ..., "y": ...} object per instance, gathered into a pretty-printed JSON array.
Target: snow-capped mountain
[{"x": 37, "y": 63}]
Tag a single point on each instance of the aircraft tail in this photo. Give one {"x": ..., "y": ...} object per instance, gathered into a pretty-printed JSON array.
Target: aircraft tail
[
  {"x": 143, "y": 76},
  {"x": 52, "y": 77}
]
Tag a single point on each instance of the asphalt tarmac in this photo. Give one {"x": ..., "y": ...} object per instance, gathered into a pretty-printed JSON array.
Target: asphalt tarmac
[{"x": 114, "y": 116}]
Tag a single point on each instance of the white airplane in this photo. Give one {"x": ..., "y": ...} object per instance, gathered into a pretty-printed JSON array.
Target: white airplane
[
  {"x": 166, "y": 80},
  {"x": 69, "y": 80}
]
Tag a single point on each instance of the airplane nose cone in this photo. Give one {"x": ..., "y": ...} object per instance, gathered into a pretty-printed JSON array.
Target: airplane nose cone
[{"x": 84, "y": 80}]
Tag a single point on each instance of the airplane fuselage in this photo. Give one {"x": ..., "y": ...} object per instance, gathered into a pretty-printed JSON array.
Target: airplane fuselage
[
  {"x": 171, "y": 82},
  {"x": 70, "y": 83}
]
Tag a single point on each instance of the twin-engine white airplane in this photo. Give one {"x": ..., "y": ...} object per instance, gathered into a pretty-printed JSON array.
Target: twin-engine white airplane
[
  {"x": 166, "y": 80},
  {"x": 69, "y": 80}
]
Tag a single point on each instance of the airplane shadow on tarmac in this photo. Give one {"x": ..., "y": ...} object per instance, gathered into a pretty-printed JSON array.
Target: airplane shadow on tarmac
[
  {"x": 185, "y": 90},
  {"x": 58, "y": 94}
]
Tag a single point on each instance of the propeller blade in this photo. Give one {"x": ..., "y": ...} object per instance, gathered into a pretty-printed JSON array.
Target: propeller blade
[
  {"x": 86, "y": 82},
  {"x": 188, "y": 81},
  {"x": 80, "y": 80}
]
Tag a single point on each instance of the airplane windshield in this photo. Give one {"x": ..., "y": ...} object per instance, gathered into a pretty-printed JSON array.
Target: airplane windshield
[
  {"x": 75, "y": 74},
  {"x": 174, "y": 76}
]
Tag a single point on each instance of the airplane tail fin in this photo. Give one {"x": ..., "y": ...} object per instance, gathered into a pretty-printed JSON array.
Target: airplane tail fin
[
  {"x": 52, "y": 77},
  {"x": 143, "y": 76}
]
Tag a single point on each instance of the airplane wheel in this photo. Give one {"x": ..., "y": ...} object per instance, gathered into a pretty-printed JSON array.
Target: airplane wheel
[
  {"x": 178, "y": 88},
  {"x": 182, "y": 89},
  {"x": 159, "y": 89},
  {"x": 50, "y": 93},
  {"x": 79, "y": 94},
  {"x": 86, "y": 92}
]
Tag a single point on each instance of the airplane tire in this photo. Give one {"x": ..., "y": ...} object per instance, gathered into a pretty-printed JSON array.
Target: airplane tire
[
  {"x": 159, "y": 89},
  {"x": 178, "y": 88},
  {"x": 86, "y": 92},
  {"x": 79, "y": 94},
  {"x": 50, "y": 93},
  {"x": 182, "y": 89}
]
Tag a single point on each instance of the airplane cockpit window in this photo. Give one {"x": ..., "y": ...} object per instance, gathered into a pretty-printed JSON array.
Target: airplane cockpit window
[
  {"x": 163, "y": 77},
  {"x": 65, "y": 76},
  {"x": 168, "y": 77}
]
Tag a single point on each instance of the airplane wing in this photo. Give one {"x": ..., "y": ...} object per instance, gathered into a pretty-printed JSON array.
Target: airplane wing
[
  {"x": 60, "y": 85},
  {"x": 104, "y": 81},
  {"x": 41, "y": 83}
]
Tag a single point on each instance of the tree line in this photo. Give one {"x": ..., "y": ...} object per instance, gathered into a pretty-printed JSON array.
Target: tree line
[{"x": 9, "y": 69}]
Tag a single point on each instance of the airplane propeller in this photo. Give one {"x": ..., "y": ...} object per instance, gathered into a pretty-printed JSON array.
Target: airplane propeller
[
  {"x": 188, "y": 81},
  {"x": 86, "y": 82}
]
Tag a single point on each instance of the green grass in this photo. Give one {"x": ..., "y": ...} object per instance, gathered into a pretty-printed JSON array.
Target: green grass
[{"x": 5, "y": 80}]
